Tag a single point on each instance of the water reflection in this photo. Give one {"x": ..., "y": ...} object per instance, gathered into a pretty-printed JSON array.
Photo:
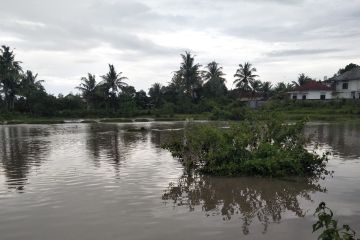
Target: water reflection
[
  {"x": 251, "y": 199},
  {"x": 343, "y": 139},
  {"x": 71, "y": 175},
  {"x": 112, "y": 142},
  {"x": 21, "y": 148}
]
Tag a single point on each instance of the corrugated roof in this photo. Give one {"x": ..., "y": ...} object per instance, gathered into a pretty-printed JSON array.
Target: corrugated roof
[
  {"x": 353, "y": 74},
  {"x": 313, "y": 86}
]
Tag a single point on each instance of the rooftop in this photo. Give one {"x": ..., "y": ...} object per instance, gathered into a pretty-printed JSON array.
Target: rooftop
[{"x": 313, "y": 86}]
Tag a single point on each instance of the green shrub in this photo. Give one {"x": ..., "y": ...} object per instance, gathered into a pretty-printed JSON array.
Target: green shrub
[{"x": 266, "y": 147}]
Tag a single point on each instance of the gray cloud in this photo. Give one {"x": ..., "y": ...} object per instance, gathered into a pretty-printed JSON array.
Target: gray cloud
[
  {"x": 95, "y": 32},
  {"x": 297, "y": 52}
]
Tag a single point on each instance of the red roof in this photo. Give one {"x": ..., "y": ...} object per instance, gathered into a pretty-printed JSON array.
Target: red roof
[{"x": 313, "y": 86}]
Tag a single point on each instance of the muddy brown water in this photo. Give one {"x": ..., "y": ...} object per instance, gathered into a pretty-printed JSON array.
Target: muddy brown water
[{"x": 102, "y": 181}]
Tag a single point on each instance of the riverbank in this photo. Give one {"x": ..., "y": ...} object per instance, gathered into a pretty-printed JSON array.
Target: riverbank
[
  {"x": 293, "y": 115},
  {"x": 55, "y": 120}
]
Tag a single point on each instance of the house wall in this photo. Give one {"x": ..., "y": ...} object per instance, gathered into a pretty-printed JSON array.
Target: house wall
[
  {"x": 353, "y": 89},
  {"x": 312, "y": 95}
]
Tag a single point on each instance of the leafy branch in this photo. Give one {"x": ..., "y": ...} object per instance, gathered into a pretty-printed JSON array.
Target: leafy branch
[{"x": 329, "y": 225}]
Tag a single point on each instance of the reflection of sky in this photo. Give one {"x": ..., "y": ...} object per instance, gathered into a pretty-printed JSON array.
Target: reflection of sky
[
  {"x": 343, "y": 138},
  {"x": 67, "y": 153}
]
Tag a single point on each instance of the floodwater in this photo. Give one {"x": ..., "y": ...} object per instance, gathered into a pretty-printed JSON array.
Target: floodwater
[{"x": 102, "y": 181}]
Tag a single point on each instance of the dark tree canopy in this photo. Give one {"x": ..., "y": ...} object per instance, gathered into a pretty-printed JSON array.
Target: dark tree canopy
[
  {"x": 214, "y": 86},
  {"x": 192, "y": 89},
  {"x": 347, "y": 68}
]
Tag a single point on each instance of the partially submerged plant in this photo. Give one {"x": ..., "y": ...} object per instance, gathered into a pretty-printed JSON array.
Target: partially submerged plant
[
  {"x": 266, "y": 147},
  {"x": 331, "y": 230}
]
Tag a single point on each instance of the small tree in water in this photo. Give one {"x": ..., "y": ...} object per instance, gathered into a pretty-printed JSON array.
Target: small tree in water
[{"x": 262, "y": 147}]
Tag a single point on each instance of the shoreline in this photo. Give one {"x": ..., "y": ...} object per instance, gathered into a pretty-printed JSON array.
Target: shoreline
[{"x": 289, "y": 116}]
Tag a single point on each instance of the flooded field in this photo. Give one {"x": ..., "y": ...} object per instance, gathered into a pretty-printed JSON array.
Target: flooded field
[{"x": 107, "y": 181}]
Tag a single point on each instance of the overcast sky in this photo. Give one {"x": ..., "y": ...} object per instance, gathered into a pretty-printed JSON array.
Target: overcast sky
[{"x": 63, "y": 40}]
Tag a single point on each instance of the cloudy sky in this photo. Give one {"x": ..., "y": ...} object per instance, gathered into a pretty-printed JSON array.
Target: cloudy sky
[{"x": 62, "y": 40}]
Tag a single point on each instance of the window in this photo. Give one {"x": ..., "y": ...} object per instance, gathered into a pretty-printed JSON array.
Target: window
[
  {"x": 322, "y": 96},
  {"x": 304, "y": 97},
  {"x": 294, "y": 96},
  {"x": 345, "y": 85}
]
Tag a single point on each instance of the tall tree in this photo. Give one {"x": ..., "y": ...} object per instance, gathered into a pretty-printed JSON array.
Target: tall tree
[
  {"x": 88, "y": 88},
  {"x": 266, "y": 89},
  {"x": 302, "y": 79},
  {"x": 256, "y": 86},
  {"x": 155, "y": 94},
  {"x": 10, "y": 73},
  {"x": 141, "y": 99},
  {"x": 29, "y": 85},
  {"x": 29, "y": 80},
  {"x": 190, "y": 74},
  {"x": 215, "y": 82},
  {"x": 245, "y": 76},
  {"x": 113, "y": 82},
  {"x": 127, "y": 100}
]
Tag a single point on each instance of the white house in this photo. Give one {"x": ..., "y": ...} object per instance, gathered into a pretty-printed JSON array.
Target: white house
[
  {"x": 344, "y": 86},
  {"x": 347, "y": 85},
  {"x": 313, "y": 91}
]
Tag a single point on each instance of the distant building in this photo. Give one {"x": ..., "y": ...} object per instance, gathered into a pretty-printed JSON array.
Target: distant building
[
  {"x": 344, "y": 86},
  {"x": 312, "y": 91},
  {"x": 250, "y": 98},
  {"x": 347, "y": 85}
]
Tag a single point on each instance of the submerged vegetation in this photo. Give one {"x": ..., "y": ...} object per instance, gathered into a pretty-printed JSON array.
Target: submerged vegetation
[
  {"x": 265, "y": 147},
  {"x": 330, "y": 227}
]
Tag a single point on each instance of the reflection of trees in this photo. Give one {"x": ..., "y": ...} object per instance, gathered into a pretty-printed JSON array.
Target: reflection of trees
[
  {"x": 21, "y": 148},
  {"x": 159, "y": 137},
  {"x": 110, "y": 142},
  {"x": 261, "y": 199},
  {"x": 343, "y": 138}
]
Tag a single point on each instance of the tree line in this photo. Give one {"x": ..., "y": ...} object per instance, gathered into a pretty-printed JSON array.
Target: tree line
[{"x": 193, "y": 88}]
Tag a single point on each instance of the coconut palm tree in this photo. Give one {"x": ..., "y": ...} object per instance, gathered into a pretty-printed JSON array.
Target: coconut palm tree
[
  {"x": 266, "y": 89},
  {"x": 29, "y": 85},
  {"x": 88, "y": 89},
  {"x": 10, "y": 72},
  {"x": 245, "y": 76},
  {"x": 190, "y": 74},
  {"x": 302, "y": 79},
  {"x": 29, "y": 82},
  {"x": 113, "y": 82},
  {"x": 215, "y": 83},
  {"x": 214, "y": 72},
  {"x": 256, "y": 85}
]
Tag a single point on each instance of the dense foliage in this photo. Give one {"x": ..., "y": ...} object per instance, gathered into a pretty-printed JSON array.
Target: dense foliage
[
  {"x": 193, "y": 89},
  {"x": 267, "y": 147},
  {"x": 330, "y": 227}
]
